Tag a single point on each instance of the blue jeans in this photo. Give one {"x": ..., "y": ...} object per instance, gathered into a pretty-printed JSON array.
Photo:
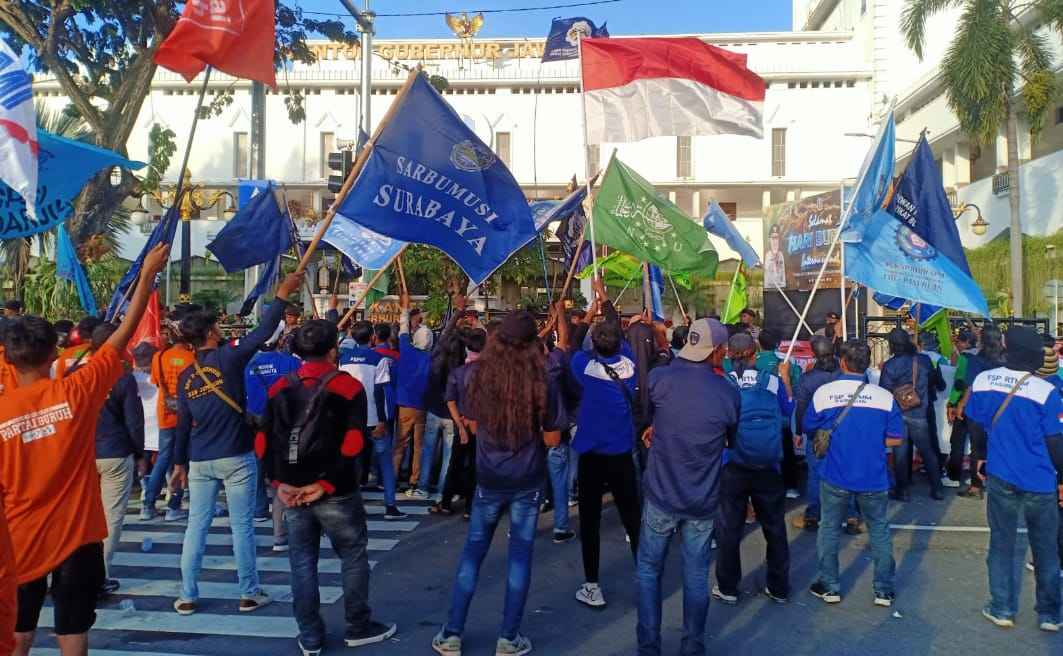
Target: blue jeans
[
  {"x": 918, "y": 430},
  {"x": 835, "y": 502},
  {"x": 486, "y": 512},
  {"x": 812, "y": 491},
  {"x": 239, "y": 475},
  {"x": 382, "y": 452},
  {"x": 261, "y": 498},
  {"x": 655, "y": 538},
  {"x": 557, "y": 460},
  {"x": 158, "y": 473},
  {"x": 432, "y": 426},
  {"x": 342, "y": 519},
  {"x": 1006, "y": 504}
]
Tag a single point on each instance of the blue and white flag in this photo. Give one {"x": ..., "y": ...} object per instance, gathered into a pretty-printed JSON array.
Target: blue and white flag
[
  {"x": 64, "y": 166},
  {"x": 162, "y": 234},
  {"x": 68, "y": 267},
  {"x": 541, "y": 210},
  {"x": 656, "y": 291},
  {"x": 716, "y": 222},
  {"x": 247, "y": 189},
  {"x": 872, "y": 184},
  {"x": 893, "y": 258},
  {"x": 431, "y": 180},
  {"x": 360, "y": 245},
  {"x": 563, "y": 41},
  {"x": 569, "y": 211},
  {"x": 257, "y": 234}
]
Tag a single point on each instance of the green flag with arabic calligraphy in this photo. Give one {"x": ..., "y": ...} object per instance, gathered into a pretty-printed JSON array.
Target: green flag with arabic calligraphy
[{"x": 631, "y": 217}]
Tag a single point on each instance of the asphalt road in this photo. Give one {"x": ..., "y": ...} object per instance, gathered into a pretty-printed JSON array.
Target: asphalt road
[{"x": 941, "y": 587}]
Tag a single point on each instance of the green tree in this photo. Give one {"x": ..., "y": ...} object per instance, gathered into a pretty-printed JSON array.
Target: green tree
[
  {"x": 101, "y": 53},
  {"x": 996, "y": 48}
]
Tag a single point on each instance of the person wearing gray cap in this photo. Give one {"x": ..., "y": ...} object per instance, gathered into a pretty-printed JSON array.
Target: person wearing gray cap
[{"x": 694, "y": 413}]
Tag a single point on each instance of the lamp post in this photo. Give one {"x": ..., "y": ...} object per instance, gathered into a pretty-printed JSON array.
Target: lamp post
[{"x": 195, "y": 198}]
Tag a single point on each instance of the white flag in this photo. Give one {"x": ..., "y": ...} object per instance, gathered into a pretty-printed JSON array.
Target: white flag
[{"x": 18, "y": 128}]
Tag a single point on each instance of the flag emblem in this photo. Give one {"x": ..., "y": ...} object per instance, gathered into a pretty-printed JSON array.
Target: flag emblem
[
  {"x": 471, "y": 157},
  {"x": 913, "y": 245},
  {"x": 215, "y": 15},
  {"x": 579, "y": 30}
]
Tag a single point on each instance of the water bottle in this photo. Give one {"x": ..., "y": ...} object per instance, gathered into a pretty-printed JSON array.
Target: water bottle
[
  {"x": 127, "y": 607},
  {"x": 147, "y": 544}
]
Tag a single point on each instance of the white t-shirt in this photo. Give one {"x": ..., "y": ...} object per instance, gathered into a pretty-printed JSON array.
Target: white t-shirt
[{"x": 148, "y": 398}]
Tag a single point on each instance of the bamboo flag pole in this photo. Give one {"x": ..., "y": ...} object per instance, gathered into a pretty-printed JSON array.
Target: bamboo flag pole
[
  {"x": 402, "y": 274},
  {"x": 356, "y": 170},
  {"x": 372, "y": 281},
  {"x": 679, "y": 301},
  {"x": 572, "y": 268}
]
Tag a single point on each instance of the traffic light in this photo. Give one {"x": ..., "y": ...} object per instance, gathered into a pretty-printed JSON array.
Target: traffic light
[{"x": 342, "y": 162}]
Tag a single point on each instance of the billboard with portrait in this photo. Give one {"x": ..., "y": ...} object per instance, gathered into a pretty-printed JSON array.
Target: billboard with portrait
[{"x": 797, "y": 238}]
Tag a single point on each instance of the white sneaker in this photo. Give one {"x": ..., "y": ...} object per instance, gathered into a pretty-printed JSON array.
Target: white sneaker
[
  {"x": 175, "y": 515},
  {"x": 255, "y": 601},
  {"x": 792, "y": 494},
  {"x": 147, "y": 514},
  {"x": 591, "y": 595},
  {"x": 948, "y": 482},
  {"x": 416, "y": 493}
]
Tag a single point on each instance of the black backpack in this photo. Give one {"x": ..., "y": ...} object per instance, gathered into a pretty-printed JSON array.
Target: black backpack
[{"x": 301, "y": 438}]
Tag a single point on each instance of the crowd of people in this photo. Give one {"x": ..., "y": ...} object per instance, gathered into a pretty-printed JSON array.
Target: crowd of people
[{"x": 693, "y": 431}]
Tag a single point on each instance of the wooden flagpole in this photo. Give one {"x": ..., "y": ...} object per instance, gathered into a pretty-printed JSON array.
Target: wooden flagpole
[
  {"x": 372, "y": 281},
  {"x": 356, "y": 170},
  {"x": 297, "y": 247}
]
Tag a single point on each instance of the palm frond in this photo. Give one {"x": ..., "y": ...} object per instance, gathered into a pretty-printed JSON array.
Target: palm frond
[
  {"x": 914, "y": 18},
  {"x": 62, "y": 123},
  {"x": 979, "y": 69}
]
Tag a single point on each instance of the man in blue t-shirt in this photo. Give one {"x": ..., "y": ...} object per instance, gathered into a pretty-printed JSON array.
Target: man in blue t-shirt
[
  {"x": 863, "y": 420},
  {"x": 411, "y": 374},
  {"x": 1021, "y": 415},
  {"x": 694, "y": 412}
]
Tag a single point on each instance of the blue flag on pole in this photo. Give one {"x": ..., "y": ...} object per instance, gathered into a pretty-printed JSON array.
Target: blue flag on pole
[
  {"x": 717, "y": 222},
  {"x": 920, "y": 202},
  {"x": 257, "y": 234},
  {"x": 569, "y": 211},
  {"x": 656, "y": 289},
  {"x": 265, "y": 283},
  {"x": 64, "y": 168},
  {"x": 431, "y": 180},
  {"x": 162, "y": 234},
  {"x": 896, "y": 260},
  {"x": 361, "y": 245},
  {"x": 68, "y": 267},
  {"x": 872, "y": 185},
  {"x": 563, "y": 41}
]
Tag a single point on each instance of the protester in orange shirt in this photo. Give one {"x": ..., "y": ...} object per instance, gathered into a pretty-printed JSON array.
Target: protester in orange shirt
[
  {"x": 51, "y": 491},
  {"x": 166, "y": 367},
  {"x": 8, "y": 587},
  {"x": 80, "y": 349}
]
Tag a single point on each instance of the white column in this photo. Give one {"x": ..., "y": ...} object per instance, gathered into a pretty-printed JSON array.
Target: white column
[
  {"x": 948, "y": 168},
  {"x": 1001, "y": 144},
  {"x": 695, "y": 205},
  {"x": 791, "y": 195},
  {"x": 1025, "y": 142},
  {"x": 671, "y": 196},
  {"x": 765, "y": 200},
  {"x": 961, "y": 159}
]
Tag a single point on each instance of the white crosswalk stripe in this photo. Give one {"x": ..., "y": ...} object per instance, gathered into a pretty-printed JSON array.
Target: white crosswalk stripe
[{"x": 152, "y": 580}]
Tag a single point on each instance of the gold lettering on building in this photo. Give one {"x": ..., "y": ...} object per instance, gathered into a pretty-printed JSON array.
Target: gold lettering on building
[{"x": 489, "y": 50}]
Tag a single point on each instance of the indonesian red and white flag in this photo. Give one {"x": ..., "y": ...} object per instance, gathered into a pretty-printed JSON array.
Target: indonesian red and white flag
[
  {"x": 639, "y": 88},
  {"x": 19, "y": 148},
  {"x": 235, "y": 36}
]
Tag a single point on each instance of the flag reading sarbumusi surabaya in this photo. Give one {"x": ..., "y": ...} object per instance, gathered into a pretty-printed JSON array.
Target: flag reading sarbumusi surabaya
[
  {"x": 630, "y": 216},
  {"x": 430, "y": 180},
  {"x": 639, "y": 88},
  {"x": 234, "y": 36}
]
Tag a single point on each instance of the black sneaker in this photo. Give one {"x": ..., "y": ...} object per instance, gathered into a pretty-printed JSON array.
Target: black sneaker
[
  {"x": 561, "y": 537},
  {"x": 392, "y": 513},
  {"x": 829, "y": 596},
  {"x": 884, "y": 599},
  {"x": 779, "y": 599},
  {"x": 109, "y": 587},
  {"x": 373, "y": 633}
]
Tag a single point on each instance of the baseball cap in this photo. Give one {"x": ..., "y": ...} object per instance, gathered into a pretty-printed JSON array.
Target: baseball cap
[{"x": 705, "y": 335}]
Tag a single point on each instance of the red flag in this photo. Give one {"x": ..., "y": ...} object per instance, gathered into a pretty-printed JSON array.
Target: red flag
[
  {"x": 149, "y": 329},
  {"x": 235, "y": 36}
]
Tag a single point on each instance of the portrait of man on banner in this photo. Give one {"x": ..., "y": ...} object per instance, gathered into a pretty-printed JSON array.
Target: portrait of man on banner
[{"x": 798, "y": 236}]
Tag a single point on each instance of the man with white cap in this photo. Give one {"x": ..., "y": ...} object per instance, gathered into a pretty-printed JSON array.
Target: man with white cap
[
  {"x": 695, "y": 414},
  {"x": 411, "y": 373}
]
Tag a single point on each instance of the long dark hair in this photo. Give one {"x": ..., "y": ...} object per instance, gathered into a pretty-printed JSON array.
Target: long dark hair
[
  {"x": 448, "y": 355},
  {"x": 507, "y": 390}
]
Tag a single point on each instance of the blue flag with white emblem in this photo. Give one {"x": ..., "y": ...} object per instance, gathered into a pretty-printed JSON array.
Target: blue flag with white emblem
[
  {"x": 563, "y": 41},
  {"x": 430, "y": 180},
  {"x": 892, "y": 255},
  {"x": 361, "y": 245},
  {"x": 162, "y": 234},
  {"x": 68, "y": 267}
]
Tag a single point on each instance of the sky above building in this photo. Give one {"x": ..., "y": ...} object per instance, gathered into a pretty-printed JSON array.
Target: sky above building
[{"x": 623, "y": 17}]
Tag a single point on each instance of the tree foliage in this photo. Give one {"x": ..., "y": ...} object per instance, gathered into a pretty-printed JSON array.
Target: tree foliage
[{"x": 101, "y": 53}]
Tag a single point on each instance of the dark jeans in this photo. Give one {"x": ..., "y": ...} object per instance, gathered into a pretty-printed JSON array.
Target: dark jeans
[
  {"x": 461, "y": 474},
  {"x": 873, "y": 505},
  {"x": 167, "y": 440},
  {"x": 658, "y": 527},
  {"x": 957, "y": 450},
  {"x": 918, "y": 434},
  {"x": 765, "y": 490},
  {"x": 790, "y": 476},
  {"x": 595, "y": 471},
  {"x": 487, "y": 511},
  {"x": 1006, "y": 504},
  {"x": 343, "y": 521}
]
